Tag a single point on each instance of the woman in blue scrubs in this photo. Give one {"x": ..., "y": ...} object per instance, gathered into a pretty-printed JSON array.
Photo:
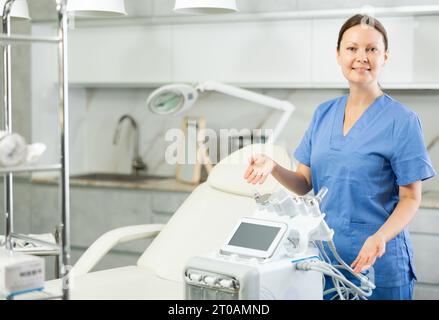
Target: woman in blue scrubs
[{"x": 368, "y": 150}]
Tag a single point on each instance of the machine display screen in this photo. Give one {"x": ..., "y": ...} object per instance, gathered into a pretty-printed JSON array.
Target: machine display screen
[{"x": 254, "y": 236}]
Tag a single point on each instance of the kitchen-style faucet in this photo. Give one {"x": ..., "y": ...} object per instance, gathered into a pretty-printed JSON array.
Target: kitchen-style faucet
[{"x": 137, "y": 163}]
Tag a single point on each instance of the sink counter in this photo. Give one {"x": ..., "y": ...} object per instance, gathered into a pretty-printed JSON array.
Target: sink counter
[
  {"x": 168, "y": 184},
  {"x": 430, "y": 199}
]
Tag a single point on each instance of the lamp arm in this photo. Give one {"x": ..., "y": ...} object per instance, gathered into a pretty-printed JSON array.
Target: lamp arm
[
  {"x": 280, "y": 126},
  {"x": 258, "y": 98}
]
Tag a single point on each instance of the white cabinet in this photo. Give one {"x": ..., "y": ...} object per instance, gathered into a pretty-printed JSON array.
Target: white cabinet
[
  {"x": 424, "y": 232},
  {"x": 120, "y": 55},
  {"x": 426, "y": 50},
  {"x": 243, "y": 52},
  {"x": 400, "y": 33},
  {"x": 291, "y": 53},
  {"x": 250, "y": 52},
  {"x": 324, "y": 66}
]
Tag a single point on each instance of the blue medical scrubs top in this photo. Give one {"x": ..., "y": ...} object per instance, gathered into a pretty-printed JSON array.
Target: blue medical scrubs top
[{"x": 363, "y": 171}]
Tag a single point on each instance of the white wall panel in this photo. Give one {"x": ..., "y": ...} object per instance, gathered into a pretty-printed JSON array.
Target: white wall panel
[
  {"x": 324, "y": 66},
  {"x": 425, "y": 254},
  {"x": 400, "y": 31},
  {"x": 426, "y": 49},
  {"x": 260, "y": 53},
  {"x": 243, "y": 52},
  {"x": 127, "y": 54}
]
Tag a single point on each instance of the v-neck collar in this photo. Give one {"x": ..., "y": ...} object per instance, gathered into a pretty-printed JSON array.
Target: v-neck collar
[{"x": 338, "y": 140}]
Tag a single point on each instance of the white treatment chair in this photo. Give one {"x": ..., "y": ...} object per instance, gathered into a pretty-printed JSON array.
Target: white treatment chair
[{"x": 198, "y": 227}]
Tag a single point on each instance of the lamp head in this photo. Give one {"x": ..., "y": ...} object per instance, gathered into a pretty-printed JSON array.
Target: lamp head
[
  {"x": 205, "y": 6},
  {"x": 96, "y": 8},
  {"x": 172, "y": 99},
  {"x": 19, "y": 9}
]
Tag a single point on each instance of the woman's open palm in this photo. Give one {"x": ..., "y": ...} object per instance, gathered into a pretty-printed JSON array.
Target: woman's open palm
[{"x": 260, "y": 166}]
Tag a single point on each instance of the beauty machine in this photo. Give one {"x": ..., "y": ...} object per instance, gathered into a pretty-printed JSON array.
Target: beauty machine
[{"x": 277, "y": 253}]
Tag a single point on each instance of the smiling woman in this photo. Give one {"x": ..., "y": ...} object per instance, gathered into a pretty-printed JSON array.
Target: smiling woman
[
  {"x": 362, "y": 49},
  {"x": 368, "y": 150}
]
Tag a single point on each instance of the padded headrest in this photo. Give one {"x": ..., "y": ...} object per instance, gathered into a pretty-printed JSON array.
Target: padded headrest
[{"x": 228, "y": 174}]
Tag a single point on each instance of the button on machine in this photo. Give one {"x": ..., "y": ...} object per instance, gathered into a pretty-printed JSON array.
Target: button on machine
[
  {"x": 210, "y": 280},
  {"x": 195, "y": 277},
  {"x": 226, "y": 283}
]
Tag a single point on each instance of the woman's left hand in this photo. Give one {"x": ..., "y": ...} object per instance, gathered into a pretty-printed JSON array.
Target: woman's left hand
[{"x": 373, "y": 248}]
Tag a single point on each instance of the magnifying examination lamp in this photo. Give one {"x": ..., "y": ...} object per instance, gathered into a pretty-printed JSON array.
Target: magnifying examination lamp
[{"x": 174, "y": 99}]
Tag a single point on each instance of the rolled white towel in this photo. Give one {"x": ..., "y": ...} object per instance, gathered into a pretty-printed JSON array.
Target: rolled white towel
[
  {"x": 13, "y": 149},
  {"x": 34, "y": 152}
]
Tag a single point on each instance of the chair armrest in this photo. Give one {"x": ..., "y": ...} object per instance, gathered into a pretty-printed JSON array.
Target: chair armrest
[{"x": 109, "y": 240}]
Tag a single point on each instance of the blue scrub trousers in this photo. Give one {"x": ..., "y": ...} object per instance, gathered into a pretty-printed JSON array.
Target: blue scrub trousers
[{"x": 404, "y": 292}]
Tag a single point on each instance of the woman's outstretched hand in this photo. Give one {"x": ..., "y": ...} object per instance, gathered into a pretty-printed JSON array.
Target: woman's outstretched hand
[
  {"x": 374, "y": 247},
  {"x": 260, "y": 166}
]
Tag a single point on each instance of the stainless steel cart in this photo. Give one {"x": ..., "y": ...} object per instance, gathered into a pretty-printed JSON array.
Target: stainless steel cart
[{"x": 62, "y": 249}]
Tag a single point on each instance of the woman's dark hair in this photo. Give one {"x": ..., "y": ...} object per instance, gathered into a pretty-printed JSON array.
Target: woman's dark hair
[{"x": 362, "y": 19}]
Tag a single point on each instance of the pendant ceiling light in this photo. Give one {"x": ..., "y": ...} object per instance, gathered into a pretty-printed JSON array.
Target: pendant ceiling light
[
  {"x": 96, "y": 8},
  {"x": 205, "y": 6},
  {"x": 19, "y": 9}
]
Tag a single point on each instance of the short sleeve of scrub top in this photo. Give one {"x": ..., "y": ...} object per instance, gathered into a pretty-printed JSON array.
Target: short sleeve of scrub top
[
  {"x": 363, "y": 170},
  {"x": 410, "y": 161}
]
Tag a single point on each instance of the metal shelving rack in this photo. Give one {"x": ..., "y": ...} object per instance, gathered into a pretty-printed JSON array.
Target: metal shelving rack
[{"x": 62, "y": 249}]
